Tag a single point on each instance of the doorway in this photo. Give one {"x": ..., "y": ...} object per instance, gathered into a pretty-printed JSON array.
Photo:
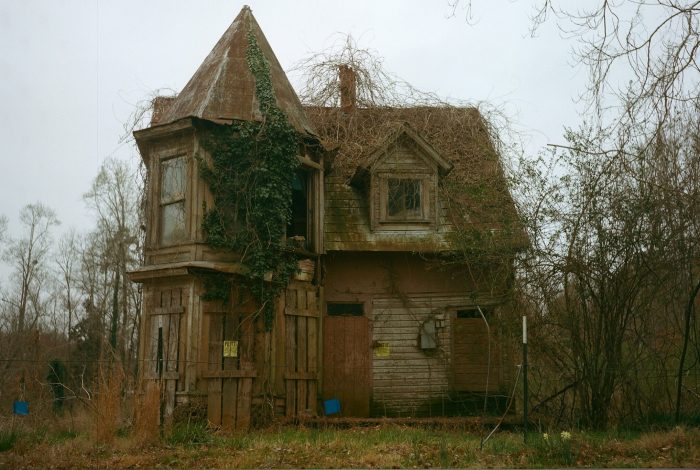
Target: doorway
[{"x": 346, "y": 357}]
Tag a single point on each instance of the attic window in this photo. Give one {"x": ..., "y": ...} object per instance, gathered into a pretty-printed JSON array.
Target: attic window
[{"x": 404, "y": 199}]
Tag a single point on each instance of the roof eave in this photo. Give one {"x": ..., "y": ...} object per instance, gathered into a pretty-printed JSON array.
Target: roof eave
[{"x": 144, "y": 137}]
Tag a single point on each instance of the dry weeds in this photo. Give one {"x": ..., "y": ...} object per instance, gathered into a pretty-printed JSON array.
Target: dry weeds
[
  {"x": 382, "y": 446},
  {"x": 108, "y": 402},
  {"x": 147, "y": 414}
]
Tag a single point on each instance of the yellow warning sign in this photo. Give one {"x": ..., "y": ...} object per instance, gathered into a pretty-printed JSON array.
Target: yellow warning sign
[
  {"x": 382, "y": 350},
  {"x": 230, "y": 348}
]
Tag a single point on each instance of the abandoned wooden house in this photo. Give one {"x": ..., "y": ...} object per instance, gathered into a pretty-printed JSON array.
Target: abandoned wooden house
[{"x": 398, "y": 223}]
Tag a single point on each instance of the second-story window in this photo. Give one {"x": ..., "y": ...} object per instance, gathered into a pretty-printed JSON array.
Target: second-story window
[
  {"x": 404, "y": 199},
  {"x": 173, "y": 183}
]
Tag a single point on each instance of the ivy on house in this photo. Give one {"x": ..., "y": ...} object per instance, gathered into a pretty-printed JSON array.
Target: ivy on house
[{"x": 250, "y": 177}]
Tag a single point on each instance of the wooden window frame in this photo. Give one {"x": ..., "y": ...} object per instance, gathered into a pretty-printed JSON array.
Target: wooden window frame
[
  {"x": 310, "y": 190},
  {"x": 163, "y": 203},
  {"x": 404, "y": 217},
  {"x": 425, "y": 196},
  {"x": 381, "y": 220}
]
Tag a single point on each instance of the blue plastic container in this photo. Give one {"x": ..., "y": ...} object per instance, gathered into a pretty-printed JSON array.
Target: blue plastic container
[
  {"x": 20, "y": 408},
  {"x": 331, "y": 407}
]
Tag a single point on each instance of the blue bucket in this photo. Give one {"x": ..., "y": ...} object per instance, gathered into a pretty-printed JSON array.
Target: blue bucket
[
  {"x": 20, "y": 408},
  {"x": 331, "y": 407}
]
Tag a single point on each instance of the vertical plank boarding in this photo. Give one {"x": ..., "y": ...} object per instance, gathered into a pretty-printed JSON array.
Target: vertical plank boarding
[
  {"x": 291, "y": 354},
  {"x": 312, "y": 350},
  {"x": 230, "y": 385},
  {"x": 214, "y": 364},
  {"x": 302, "y": 358}
]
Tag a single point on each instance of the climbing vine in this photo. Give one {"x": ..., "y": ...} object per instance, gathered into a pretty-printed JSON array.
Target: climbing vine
[{"x": 250, "y": 178}]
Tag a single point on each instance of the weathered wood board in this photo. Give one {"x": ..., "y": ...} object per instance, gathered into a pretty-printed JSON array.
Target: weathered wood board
[
  {"x": 301, "y": 314},
  {"x": 346, "y": 363}
]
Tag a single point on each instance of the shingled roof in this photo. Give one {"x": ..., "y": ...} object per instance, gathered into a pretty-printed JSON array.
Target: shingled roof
[
  {"x": 223, "y": 88},
  {"x": 474, "y": 194}
]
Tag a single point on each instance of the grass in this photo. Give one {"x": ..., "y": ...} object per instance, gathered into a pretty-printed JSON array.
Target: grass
[
  {"x": 188, "y": 434},
  {"x": 7, "y": 440},
  {"x": 382, "y": 446}
]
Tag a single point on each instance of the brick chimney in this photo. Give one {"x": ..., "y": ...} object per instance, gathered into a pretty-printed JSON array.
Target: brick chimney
[{"x": 348, "y": 88}]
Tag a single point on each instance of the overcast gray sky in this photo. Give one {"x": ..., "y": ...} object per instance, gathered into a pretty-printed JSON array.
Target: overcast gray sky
[{"x": 73, "y": 70}]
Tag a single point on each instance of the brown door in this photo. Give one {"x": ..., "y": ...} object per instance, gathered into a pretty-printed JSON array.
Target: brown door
[
  {"x": 472, "y": 353},
  {"x": 346, "y": 363}
]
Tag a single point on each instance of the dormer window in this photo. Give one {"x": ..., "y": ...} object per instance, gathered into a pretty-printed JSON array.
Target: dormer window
[
  {"x": 401, "y": 180},
  {"x": 403, "y": 199},
  {"x": 173, "y": 183}
]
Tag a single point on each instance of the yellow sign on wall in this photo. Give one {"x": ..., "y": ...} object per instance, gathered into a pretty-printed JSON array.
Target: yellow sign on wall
[
  {"x": 382, "y": 350},
  {"x": 230, "y": 348}
]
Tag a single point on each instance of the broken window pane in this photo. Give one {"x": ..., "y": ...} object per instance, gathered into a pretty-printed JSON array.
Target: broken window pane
[
  {"x": 172, "y": 187},
  {"x": 173, "y": 222},
  {"x": 298, "y": 224},
  {"x": 403, "y": 200}
]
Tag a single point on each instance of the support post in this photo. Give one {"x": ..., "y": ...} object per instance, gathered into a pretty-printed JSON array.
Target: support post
[{"x": 525, "y": 397}]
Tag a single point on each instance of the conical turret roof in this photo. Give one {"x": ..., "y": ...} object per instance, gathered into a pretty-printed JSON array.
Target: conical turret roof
[{"x": 223, "y": 87}]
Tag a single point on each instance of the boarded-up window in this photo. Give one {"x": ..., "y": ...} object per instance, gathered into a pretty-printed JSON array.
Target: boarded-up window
[
  {"x": 474, "y": 313},
  {"x": 404, "y": 198},
  {"x": 345, "y": 308},
  {"x": 173, "y": 181}
]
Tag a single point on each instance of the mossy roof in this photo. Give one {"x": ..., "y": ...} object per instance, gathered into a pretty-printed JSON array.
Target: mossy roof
[{"x": 475, "y": 202}]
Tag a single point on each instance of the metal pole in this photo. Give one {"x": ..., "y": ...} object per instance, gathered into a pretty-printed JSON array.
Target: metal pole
[{"x": 525, "y": 378}]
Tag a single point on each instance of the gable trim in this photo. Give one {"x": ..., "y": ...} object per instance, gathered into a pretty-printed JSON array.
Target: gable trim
[{"x": 442, "y": 164}]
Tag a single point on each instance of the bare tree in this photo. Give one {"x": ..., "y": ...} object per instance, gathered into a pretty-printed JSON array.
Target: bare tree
[
  {"x": 28, "y": 255},
  {"x": 641, "y": 56},
  {"x": 643, "y": 97},
  {"x": 68, "y": 263},
  {"x": 372, "y": 86},
  {"x": 114, "y": 198},
  {"x": 612, "y": 277},
  {"x": 3, "y": 226}
]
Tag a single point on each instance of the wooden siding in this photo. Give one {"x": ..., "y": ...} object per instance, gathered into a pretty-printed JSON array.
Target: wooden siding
[
  {"x": 406, "y": 379},
  {"x": 301, "y": 320},
  {"x": 403, "y": 158},
  {"x": 410, "y": 381},
  {"x": 230, "y": 378},
  {"x": 165, "y": 344},
  {"x": 347, "y": 225}
]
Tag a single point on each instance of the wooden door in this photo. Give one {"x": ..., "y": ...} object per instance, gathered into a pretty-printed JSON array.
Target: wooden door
[
  {"x": 163, "y": 360},
  {"x": 301, "y": 316},
  {"x": 472, "y": 354},
  {"x": 346, "y": 363},
  {"x": 230, "y": 332}
]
